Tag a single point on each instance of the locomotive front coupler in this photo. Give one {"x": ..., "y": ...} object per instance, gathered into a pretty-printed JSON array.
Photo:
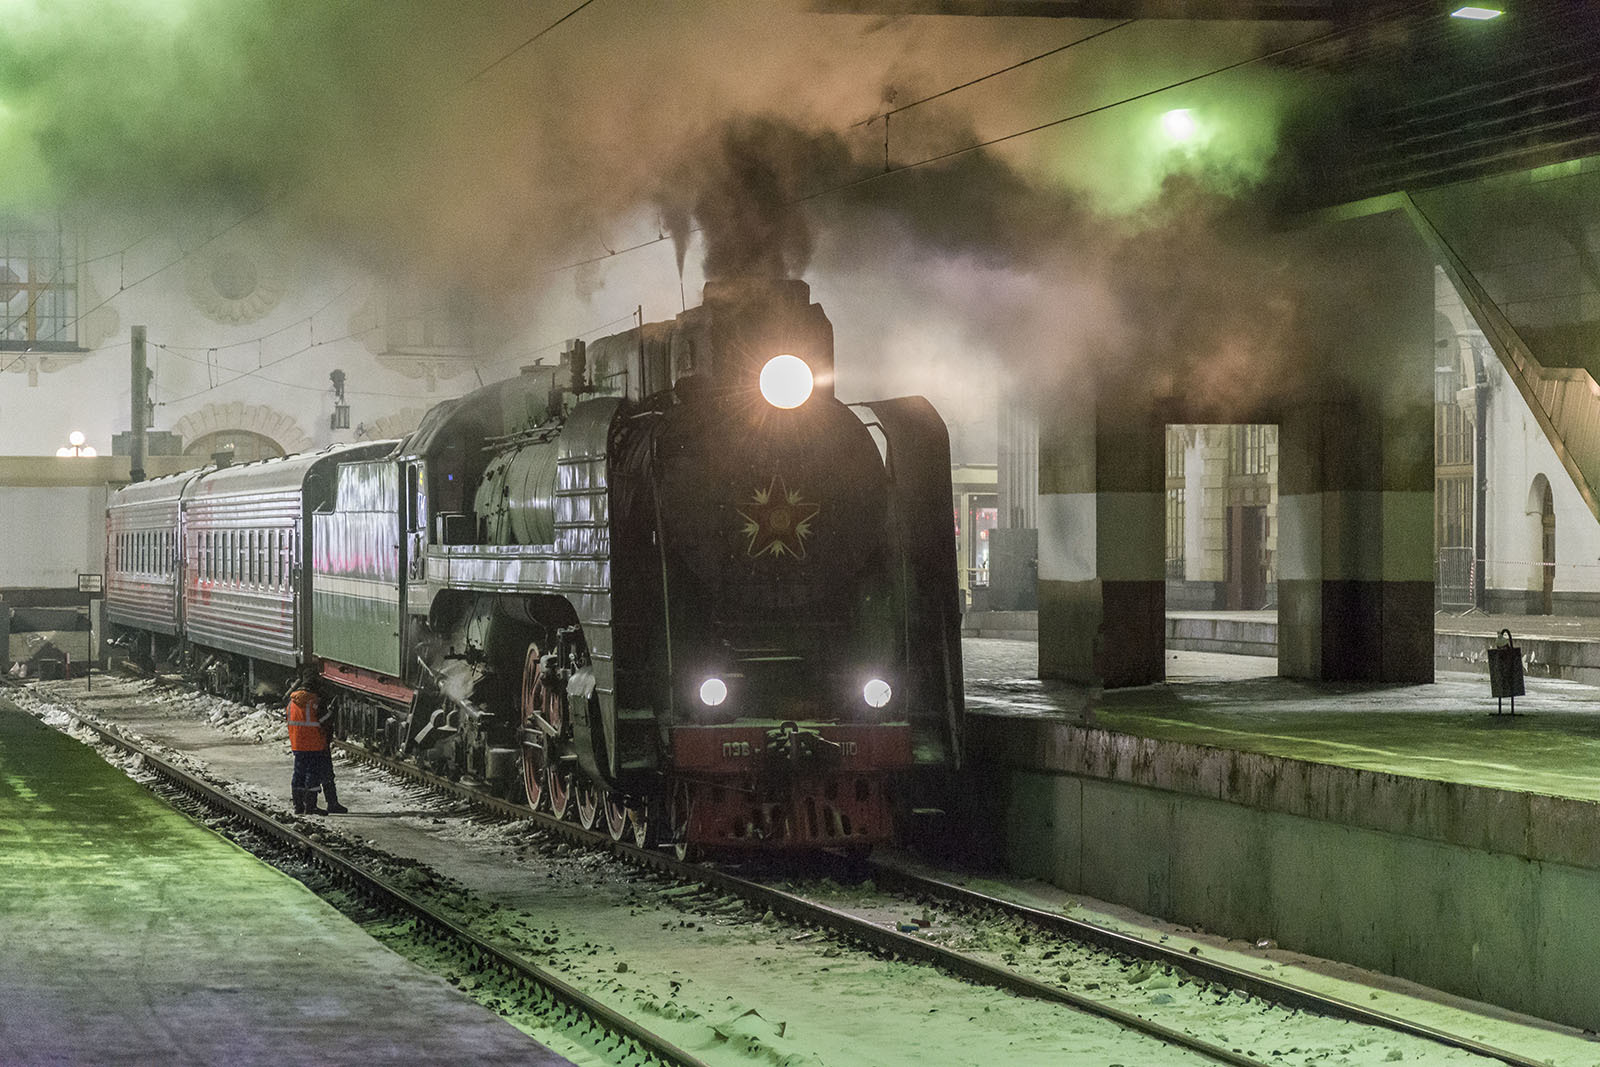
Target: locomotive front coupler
[{"x": 791, "y": 745}]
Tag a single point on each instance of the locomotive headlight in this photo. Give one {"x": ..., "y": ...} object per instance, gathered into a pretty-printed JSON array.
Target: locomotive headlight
[
  {"x": 786, "y": 381},
  {"x": 876, "y": 693},
  {"x": 713, "y": 691}
]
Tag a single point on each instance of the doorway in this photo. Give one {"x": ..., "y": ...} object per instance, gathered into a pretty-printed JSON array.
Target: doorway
[
  {"x": 1221, "y": 518},
  {"x": 1247, "y": 566}
]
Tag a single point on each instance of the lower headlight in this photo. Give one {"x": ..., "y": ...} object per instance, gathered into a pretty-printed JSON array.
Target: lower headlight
[
  {"x": 713, "y": 691},
  {"x": 876, "y": 693}
]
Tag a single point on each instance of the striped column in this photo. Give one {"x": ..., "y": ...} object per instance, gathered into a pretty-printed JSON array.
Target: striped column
[
  {"x": 1355, "y": 511},
  {"x": 1102, "y": 550}
]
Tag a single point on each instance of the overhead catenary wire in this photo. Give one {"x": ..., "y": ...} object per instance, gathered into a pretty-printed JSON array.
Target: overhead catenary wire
[
  {"x": 526, "y": 43},
  {"x": 990, "y": 142},
  {"x": 884, "y": 115},
  {"x": 176, "y": 350}
]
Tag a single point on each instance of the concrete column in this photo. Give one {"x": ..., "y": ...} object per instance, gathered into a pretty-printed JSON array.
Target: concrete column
[
  {"x": 1102, "y": 546},
  {"x": 1069, "y": 582},
  {"x": 1131, "y": 504},
  {"x": 1355, "y": 513}
]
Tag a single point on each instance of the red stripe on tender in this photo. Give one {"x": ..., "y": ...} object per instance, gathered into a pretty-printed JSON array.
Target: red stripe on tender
[{"x": 365, "y": 681}]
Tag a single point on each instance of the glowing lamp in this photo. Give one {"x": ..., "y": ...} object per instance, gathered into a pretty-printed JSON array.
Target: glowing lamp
[
  {"x": 713, "y": 691},
  {"x": 1179, "y": 124},
  {"x": 876, "y": 693},
  {"x": 1478, "y": 13},
  {"x": 786, "y": 381},
  {"x": 75, "y": 438}
]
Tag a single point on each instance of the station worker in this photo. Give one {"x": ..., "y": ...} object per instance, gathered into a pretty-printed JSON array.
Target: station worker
[{"x": 309, "y": 730}]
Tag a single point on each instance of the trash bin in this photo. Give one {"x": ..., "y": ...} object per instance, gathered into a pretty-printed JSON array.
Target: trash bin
[{"x": 1505, "y": 673}]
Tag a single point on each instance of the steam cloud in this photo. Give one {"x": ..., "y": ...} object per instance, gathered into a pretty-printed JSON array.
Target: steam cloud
[{"x": 371, "y": 128}]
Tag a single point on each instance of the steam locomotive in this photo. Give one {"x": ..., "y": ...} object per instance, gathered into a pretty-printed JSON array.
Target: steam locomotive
[{"x": 672, "y": 586}]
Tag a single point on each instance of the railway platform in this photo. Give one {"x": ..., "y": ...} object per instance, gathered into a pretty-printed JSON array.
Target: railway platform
[
  {"x": 135, "y": 936},
  {"x": 1405, "y": 829}
]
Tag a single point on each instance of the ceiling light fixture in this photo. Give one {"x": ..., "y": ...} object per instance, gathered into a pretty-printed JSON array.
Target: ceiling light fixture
[{"x": 1479, "y": 13}]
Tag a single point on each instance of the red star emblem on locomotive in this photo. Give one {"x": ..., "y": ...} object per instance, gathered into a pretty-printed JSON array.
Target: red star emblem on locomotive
[{"x": 778, "y": 521}]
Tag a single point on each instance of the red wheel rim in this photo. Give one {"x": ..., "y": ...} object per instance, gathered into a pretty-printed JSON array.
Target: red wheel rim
[
  {"x": 679, "y": 811},
  {"x": 616, "y": 816},
  {"x": 558, "y": 783},
  {"x": 534, "y": 755},
  {"x": 587, "y": 797}
]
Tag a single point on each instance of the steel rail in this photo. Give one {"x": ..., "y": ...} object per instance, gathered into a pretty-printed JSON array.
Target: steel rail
[
  {"x": 878, "y": 938},
  {"x": 1277, "y": 991},
  {"x": 627, "y": 1038},
  {"x": 1281, "y": 992}
]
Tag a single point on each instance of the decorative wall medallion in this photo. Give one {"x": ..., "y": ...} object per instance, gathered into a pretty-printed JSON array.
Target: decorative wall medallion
[{"x": 234, "y": 284}]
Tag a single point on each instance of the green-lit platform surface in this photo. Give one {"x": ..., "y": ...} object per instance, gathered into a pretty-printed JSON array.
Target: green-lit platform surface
[
  {"x": 131, "y": 935},
  {"x": 1445, "y": 731}
]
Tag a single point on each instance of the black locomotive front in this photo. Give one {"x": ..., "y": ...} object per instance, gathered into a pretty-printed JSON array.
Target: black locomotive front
[{"x": 779, "y": 643}]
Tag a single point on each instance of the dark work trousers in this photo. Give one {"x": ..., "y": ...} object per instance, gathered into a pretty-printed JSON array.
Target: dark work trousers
[{"x": 312, "y": 770}]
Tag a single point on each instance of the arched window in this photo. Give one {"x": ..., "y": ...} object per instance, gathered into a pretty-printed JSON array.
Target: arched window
[{"x": 241, "y": 445}]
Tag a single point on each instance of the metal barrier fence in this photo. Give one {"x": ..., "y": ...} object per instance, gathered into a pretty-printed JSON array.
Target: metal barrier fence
[{"x": 1453, "y": 580}]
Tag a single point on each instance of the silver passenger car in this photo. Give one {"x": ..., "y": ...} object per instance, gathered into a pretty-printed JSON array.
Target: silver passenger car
[
  {"x": 143, "y": 566},
  {"x": 214, "y": 557},
  {"x": 244, "y": 535}
]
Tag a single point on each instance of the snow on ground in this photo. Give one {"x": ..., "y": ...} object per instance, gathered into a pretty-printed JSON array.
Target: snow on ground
[{"x": 730, "y": 985}]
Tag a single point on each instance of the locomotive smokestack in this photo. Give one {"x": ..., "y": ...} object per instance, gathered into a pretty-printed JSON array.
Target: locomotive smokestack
[{"x": 576, "y": 358}]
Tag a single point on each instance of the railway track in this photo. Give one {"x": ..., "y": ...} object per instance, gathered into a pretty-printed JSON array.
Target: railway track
[
  {"x": 876, "y": 936},
  {"x": 921, "y": 888},
  {"x": 613, "y": 1036}
]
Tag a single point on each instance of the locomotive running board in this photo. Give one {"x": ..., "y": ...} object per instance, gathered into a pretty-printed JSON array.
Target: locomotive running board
[{"x": 377, "y": 685}]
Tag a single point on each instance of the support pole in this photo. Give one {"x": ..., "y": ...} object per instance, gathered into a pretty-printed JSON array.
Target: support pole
[{"x": 140, "y": 396}]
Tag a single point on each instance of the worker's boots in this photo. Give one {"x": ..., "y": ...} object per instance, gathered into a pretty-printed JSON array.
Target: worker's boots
[
  {"x": 305, "y": 802},
  {"x": 334, "y": 807}
]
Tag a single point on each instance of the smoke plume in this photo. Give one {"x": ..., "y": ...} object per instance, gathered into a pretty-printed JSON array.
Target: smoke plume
[{"x": 484, "y": 152}]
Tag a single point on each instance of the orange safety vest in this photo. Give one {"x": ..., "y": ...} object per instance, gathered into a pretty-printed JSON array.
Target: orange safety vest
[{"x": 306, "y": 731}]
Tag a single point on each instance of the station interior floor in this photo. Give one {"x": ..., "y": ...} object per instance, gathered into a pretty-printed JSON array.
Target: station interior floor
[{"x": 1447, "y": 731}]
